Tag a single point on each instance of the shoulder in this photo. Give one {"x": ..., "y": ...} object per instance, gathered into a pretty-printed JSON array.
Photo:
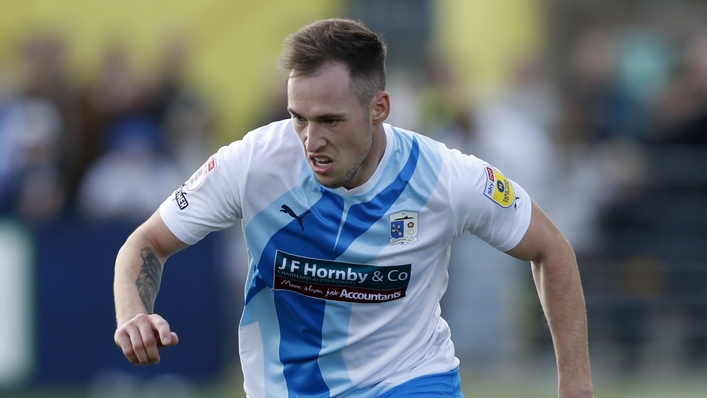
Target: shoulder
[
  {"x": 271, "y": 154},
  {"x": 405, "y": 138},
  {"x": 466, "y": 177},
  {"x": 273, "y": 135},
  {"x": 435, "y": 152},
  {"x": 406, "y": 142},
  {"x": 277, "y": 139}
]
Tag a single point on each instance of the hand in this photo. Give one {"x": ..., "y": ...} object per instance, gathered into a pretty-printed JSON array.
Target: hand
[{"x": 142, "y": 337}]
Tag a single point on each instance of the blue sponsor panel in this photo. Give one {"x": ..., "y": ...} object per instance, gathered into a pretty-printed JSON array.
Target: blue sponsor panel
[{"x": 74, "y": 309}]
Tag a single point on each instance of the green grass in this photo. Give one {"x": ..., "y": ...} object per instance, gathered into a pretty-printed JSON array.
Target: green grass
[
  {"x": 525, "y": 386},
  {"x": 603, "y": 388}
]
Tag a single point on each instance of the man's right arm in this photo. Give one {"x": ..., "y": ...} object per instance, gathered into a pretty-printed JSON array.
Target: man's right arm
[{"x": 138, "y": 273}]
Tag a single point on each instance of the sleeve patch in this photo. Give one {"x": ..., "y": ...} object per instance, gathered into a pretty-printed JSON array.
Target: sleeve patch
[
  {"x": 198, "y": 177},
  {"x": 498, "y": 188}
]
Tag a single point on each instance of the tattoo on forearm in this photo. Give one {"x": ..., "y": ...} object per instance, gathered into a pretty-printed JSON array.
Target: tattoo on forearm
[{"x": 148, "y": 281}]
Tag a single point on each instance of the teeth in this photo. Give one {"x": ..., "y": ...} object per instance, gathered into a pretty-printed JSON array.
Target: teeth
[{"x": 321, "y": 161}]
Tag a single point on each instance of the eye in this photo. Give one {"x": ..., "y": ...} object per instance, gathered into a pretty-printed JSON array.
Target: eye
[
  {"x": 299, "y": 119},
  {"x": 331, "y": 122}
]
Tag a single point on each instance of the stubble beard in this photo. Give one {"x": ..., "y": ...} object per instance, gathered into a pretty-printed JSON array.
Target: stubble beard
[{"x": 353, "y": 171}]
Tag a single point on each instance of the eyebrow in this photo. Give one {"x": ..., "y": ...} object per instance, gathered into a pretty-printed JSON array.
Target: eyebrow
[{"x": 326, "y": 116}]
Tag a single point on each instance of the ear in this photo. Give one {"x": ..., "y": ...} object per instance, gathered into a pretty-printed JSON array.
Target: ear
[{"x": 380, "y": 107}]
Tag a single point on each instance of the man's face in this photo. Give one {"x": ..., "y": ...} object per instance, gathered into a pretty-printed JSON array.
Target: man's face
[{"x": 333, "y": 127}]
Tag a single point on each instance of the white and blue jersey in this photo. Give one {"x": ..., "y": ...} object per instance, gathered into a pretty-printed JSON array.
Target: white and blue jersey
[{"x": 343, "y": 287}]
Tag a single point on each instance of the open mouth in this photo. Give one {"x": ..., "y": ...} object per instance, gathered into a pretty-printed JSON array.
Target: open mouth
[{"x": 320, "y": 164}]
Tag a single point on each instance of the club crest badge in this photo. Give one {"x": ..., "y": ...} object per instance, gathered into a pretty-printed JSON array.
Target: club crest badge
[
  {"x": 498, "y": 188},
  {"x": 403, "y": 227}
]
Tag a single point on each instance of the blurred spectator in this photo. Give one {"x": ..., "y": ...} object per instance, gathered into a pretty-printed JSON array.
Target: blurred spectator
[
  {"x": 117, "y": 92},
  {"x": 37, "y": 130},
  {"x": 644, "y": 64},
  {"x": 131, "y": 179},
  {"x": 599, "y": 134},
  {"x": 445, "y": 104},
  {"x": 182, "y": 110},
  {"x": 41, "y": 190},
  {"x": 682, "y": 110},
  {"x": 589, "y": 83},
  {"x": 170, "y": 73},
  {"x": 641, "y": 282},
  {"x": 45, "y": 66},
  {"x": 187, "y": 131},
  {"x": 612, "y": 83},
  {"x": 9, "y": 140}
]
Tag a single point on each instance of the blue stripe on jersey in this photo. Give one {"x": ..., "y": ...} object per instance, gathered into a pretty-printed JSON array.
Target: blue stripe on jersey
[
  {"x": 335, "y": 328},
  {"x": 363, "y": 215},
  {"x": 262, "y": 308},
  {"x": 301, "y": 318}
]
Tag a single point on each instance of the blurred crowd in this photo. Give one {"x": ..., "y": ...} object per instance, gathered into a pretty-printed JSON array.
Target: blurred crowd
[
  {"x": 110, "y": 149},
  {"x": 611, "y": 142}
]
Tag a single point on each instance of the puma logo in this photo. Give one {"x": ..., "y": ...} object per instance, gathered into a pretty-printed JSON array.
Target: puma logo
[{"x": 286, "y": 209}]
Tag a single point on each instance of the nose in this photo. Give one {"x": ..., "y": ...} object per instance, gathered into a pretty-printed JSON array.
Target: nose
[{"x": 314, "y": 137}]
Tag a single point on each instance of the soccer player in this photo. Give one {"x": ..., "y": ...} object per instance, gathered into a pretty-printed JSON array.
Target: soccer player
[{"x": 348, "y": 223}]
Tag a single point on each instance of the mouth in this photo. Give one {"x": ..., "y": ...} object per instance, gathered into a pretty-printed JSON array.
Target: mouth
[{"x": 320, "y": 164}]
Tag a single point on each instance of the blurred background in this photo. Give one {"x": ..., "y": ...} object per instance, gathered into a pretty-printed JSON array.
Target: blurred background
[{"x": 597, "y": 107}]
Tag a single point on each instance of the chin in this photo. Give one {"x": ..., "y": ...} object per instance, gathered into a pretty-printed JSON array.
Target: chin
[
  {"x": 330, "y": 182},
  {"x": 339, "y": 181}
]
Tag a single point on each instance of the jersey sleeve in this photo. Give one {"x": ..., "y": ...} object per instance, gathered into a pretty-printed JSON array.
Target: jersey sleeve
[
  {"x": 487, "y": 203},
  {"x": 210, "y": 199}
]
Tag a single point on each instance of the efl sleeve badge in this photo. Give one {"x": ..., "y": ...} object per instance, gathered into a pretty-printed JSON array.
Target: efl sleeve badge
[
  {"x": 198, "y": 177},
  {"x": 498, "y": 188}
]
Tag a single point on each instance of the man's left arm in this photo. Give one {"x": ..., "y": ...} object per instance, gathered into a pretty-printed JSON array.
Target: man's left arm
[{"x": 559, "y": 288}]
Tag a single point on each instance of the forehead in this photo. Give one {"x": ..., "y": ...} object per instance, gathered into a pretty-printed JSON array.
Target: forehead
[{"x": 328, "y": 87}]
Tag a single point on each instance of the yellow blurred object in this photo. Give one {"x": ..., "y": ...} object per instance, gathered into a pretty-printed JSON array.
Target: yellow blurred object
[
  {"x": 484, "y": 39},
  {"x": 233, "y": 45}
]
